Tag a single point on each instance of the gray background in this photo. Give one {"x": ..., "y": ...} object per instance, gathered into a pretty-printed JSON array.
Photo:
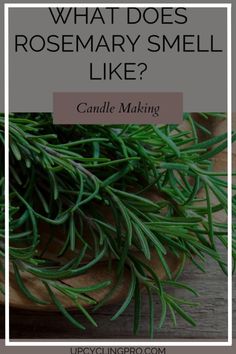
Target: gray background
[
  {"x": 201, "y": 76},
  {"x": 169, "y": 350}
]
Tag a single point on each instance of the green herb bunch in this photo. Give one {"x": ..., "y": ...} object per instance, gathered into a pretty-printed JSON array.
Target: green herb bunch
[{"x": 64, "y": 176}]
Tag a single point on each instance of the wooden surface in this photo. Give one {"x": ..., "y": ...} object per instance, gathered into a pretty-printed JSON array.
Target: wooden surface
[
  {"x": 211, "y": 316},
  {"x": 95, "y": 275}
]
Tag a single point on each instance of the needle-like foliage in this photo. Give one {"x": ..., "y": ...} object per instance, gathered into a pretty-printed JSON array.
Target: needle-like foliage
[{"x": 94, "y": 183}]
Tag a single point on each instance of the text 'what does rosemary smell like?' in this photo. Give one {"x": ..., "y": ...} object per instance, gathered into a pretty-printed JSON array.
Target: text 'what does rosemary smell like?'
[{"x": 117, "y": 53}]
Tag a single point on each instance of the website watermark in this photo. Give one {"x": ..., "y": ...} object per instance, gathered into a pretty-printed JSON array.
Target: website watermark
[{"x": 118, "y": 350}]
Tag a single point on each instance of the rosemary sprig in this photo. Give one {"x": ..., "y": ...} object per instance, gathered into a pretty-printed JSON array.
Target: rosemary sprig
[{"x": 67, "y": 177}]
